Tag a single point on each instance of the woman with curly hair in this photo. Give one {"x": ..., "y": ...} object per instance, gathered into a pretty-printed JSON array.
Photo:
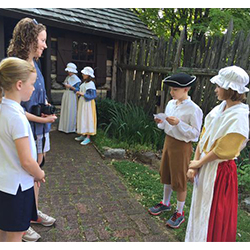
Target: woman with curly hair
[{"x": 28, "y": 43}]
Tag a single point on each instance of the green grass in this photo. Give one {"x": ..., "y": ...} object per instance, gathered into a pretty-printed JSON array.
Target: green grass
[{"x": 146, "y": 184}]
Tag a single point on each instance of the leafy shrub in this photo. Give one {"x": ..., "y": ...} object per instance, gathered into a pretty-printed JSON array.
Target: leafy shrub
[
  {"x": 243, "y": 170},
  {"x": 128, "y": 123}
]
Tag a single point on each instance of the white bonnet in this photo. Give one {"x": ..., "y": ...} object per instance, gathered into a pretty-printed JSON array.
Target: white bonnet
[
  {"x": 88, "y": 71},
  {"x": 232, "y": 77},
  {"x": 71, "y": 67}
]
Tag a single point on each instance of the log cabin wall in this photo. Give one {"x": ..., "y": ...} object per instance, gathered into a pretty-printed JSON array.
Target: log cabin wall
[{"x": 86, "y": 37}]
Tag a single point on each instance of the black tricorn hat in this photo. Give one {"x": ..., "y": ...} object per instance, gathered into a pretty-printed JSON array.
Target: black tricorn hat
[{"x": 180, "y": 80}]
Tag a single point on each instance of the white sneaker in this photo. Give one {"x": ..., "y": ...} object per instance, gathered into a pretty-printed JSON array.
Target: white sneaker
[
  {"x": 44, "y": 219},
  {"x": 80, "y": 138},
  {"x": 31, "y": 235}
]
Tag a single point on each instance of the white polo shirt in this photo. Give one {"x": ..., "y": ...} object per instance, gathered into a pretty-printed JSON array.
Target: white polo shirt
[
  {"x": 13, "y": 125},
  {"x": 190, "y": 116}
]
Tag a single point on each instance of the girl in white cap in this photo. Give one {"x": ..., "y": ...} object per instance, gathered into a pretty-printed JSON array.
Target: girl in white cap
[
  {"x": 213, "y": 213},
  {"x": 72, "y": 82},
  {"x": 86, "y": 113}
]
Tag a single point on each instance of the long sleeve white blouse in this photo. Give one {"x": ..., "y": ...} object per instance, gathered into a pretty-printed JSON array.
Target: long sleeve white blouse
[{"x": 190, "y": 116}]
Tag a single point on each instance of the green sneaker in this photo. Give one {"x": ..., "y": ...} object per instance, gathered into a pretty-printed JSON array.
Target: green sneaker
[{"x": 159, "y": 208}]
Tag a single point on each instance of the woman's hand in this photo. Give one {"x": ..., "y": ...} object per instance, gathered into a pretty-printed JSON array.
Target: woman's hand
[
  {"x": 191, "y": 173},
  {"x": 49, "y": 118},
  {"x": 195, "y": 164}
]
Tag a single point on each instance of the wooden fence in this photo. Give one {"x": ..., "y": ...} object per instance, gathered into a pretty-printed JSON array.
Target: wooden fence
[{"x": 143, "y": 65}]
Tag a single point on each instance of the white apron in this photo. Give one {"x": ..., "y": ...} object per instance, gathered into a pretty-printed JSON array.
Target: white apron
[
  {"x": 67, "y": 122},
  {"x": 217, "y": 124},
  {"x": 86, "y": 113}
]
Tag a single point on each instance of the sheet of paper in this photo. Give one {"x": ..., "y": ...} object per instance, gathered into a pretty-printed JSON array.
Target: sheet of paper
[{"x": 161, "y": 116}]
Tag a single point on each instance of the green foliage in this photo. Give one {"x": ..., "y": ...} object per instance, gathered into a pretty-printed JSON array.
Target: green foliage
[
  {"x": 244, "y": 179},
  {"x": 243, "y": 232},
  {"x": 129, "y": 124},
  {"x": 166, "y": 22},
  {"x": 146, "y": 183},
  {"x": 103, "y": 116},
  {"x": 101, "y": 140},
  {"x": 243, "y": 170},
  {"x": 220, "y": 18}
]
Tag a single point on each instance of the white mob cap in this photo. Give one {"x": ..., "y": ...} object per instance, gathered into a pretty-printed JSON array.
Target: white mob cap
[
  {"x": 232, "y": 77},
  {"x": 88, "y": 71},
  {"x": 71, "y": 67}
]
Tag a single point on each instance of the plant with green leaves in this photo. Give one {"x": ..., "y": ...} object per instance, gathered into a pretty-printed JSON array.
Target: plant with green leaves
[{"x": 129, "y": 123}]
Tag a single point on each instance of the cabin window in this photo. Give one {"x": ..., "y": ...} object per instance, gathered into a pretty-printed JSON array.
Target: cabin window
[{"x": 83, "y": 52}]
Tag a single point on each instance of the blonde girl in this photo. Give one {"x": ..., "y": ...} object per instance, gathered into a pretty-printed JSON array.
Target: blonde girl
[
  {"x": 18, "y": 168},
  {"x": 28, "y": 43}
]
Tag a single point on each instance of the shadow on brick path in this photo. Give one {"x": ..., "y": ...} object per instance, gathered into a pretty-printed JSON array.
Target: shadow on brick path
[{"x": 89, "y": 200}]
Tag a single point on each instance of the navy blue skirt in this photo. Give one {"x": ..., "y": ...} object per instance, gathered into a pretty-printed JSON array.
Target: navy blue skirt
[{"x": 16, "y": 211}]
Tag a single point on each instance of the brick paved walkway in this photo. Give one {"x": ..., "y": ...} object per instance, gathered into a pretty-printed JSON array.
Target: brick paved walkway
[{"x": 89, "y": 199}]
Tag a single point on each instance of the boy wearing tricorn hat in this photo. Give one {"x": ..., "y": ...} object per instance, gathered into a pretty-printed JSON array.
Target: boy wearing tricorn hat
[{"x": 182, "y": 124}]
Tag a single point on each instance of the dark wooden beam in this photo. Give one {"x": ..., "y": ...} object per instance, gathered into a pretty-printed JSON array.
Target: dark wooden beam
[
  {"x": 47, "y": 65},
  {"x": 2, "y": 48}
]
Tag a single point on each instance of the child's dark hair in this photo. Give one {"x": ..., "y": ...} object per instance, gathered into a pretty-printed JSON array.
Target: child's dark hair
[{"x": 89, "y": 79}]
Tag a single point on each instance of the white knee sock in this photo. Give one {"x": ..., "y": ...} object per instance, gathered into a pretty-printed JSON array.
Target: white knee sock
[
  {"x": 180, "y": 205},
  {"x": 167, "y": 191}
]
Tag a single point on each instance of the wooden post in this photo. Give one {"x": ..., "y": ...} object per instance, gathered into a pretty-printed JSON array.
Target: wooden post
[
  {"x": 161, "y": 93},
  {"x": 114, "y": 74},
  {"x": 2, "y": 47},
  {"x": 178, "y": 52},
  {"x": 47, "y": 66}
]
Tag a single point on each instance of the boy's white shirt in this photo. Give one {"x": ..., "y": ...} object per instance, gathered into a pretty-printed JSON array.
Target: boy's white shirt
[
  {"x": 190, "y": 116},
  {"x": 14, "y": 125}
]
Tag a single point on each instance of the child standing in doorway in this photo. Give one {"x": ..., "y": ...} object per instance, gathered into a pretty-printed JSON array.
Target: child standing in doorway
[
  {"x": 18, "y": 167},
  {"x": 86, "y": 113},
  {"x": 67, "y": 122},
  {"x": 182, "y": 127}
]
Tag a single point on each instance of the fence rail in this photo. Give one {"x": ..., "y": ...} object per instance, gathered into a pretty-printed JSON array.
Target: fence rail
[{"x": 143, "y": 65}]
